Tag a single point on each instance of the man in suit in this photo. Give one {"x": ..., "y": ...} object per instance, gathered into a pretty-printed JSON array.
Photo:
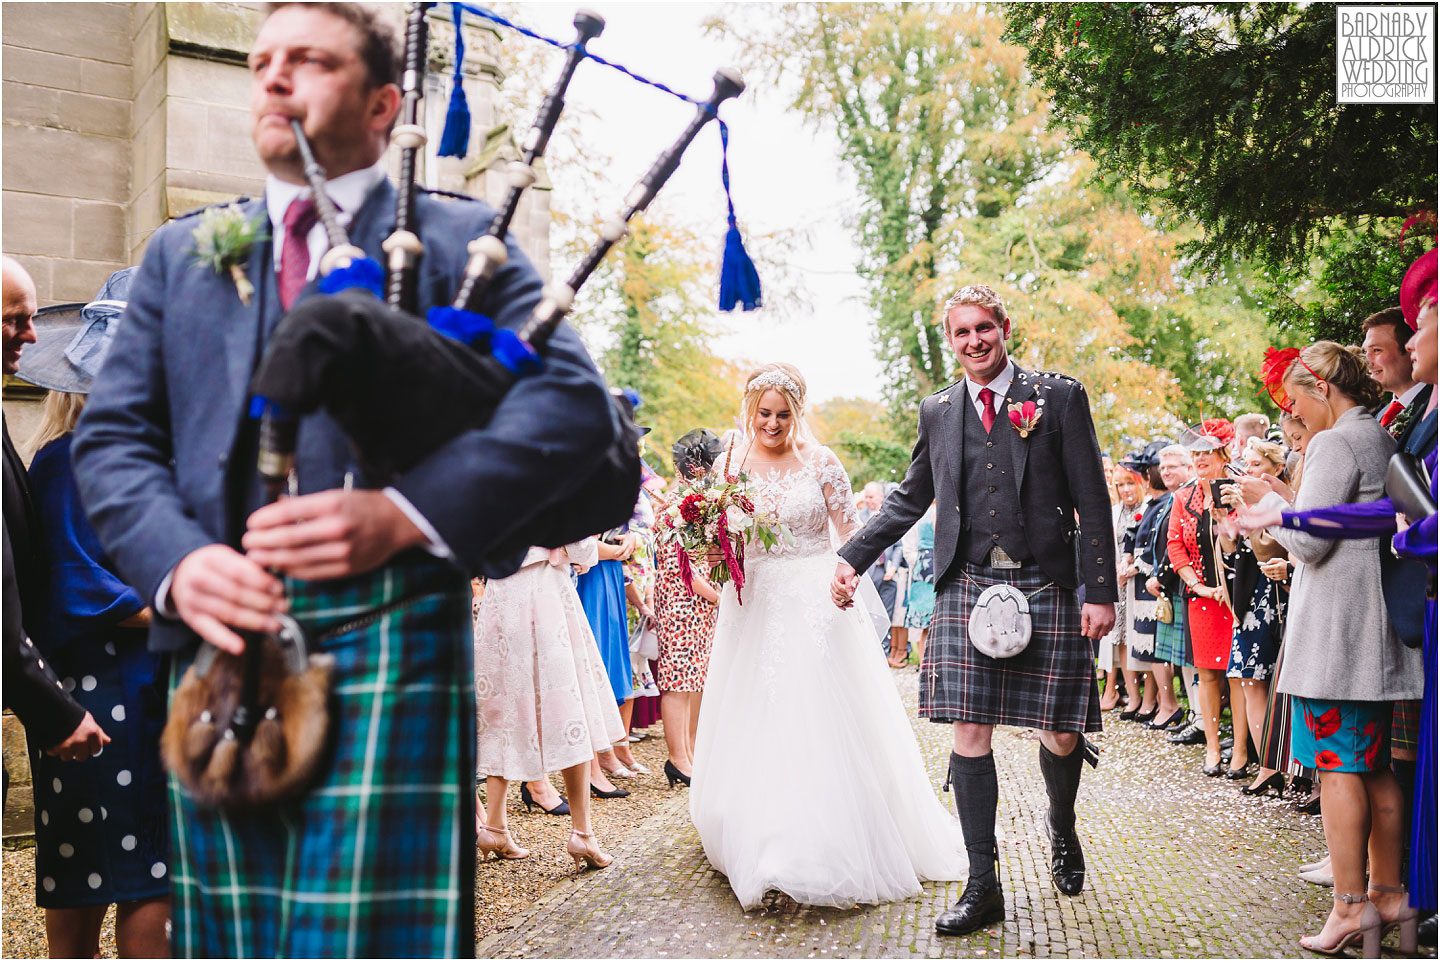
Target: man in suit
[
  {"x": 53, "y": 721},
  {"x": 1386, "y": 334},
  {"x": 1011, "y": 458},
  {"x": 375, "y": 570}
]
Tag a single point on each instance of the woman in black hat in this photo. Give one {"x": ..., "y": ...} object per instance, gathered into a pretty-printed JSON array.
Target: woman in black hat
[{"x": 100, "y": 833}]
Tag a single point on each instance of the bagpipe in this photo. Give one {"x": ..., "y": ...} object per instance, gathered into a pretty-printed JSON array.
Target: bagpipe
[{"x": 250, "y": 730}]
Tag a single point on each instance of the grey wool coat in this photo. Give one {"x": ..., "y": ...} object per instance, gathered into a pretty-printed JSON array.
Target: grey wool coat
[{"x": 1339, "y": 644}]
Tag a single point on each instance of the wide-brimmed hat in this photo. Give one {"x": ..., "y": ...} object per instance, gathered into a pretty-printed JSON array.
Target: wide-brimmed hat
[
  {"x": 630, "y": 400},
  {"x": 697, "y": 448},
  {"x": 1142, "y": 459},
  {"x": 1213, "y": 434},
  {"x": 71, "y": 340}
]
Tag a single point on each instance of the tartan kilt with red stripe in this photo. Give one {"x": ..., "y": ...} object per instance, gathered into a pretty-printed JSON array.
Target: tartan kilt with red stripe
[{"x": 1050, "y": 685}]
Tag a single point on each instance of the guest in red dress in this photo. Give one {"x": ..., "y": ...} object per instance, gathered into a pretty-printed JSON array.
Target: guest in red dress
[{"x": 1195, "y": 554}]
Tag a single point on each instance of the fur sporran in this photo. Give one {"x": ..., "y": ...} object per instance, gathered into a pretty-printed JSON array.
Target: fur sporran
[{"x": 278, "y": 761}]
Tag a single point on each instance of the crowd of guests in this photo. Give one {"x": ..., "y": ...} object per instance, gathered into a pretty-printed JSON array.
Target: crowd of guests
[{"x": 1245, "y": 597}]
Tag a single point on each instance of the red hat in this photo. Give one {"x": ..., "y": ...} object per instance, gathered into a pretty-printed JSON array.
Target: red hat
[{"x": 1418, "y": 286}]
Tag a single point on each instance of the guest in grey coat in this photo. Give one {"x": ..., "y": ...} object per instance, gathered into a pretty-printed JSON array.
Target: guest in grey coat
[{"x": 1344, "y": 665}]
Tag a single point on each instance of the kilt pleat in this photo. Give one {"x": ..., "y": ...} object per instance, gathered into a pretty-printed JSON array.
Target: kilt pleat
[
  {"x": 1050, "y": 685},
  {"x": 377, "y": 859}
]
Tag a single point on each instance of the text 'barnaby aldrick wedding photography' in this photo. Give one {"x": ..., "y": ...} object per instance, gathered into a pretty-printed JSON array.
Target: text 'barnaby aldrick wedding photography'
[{"x": 1385, "y": 54}]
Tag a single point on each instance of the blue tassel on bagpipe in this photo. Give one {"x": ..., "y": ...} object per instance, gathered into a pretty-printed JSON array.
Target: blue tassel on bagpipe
[
  {"x": 364, "y": 273},
  {"x": 455, "y": 140},
  {"x": 465, "y": 326},
  {"x": 514, "y": 354},
  {"x": 739, "y": 281}
]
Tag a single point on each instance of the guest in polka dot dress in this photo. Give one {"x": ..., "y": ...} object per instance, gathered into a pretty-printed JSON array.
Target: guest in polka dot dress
[{"x": 100, "y": 832}]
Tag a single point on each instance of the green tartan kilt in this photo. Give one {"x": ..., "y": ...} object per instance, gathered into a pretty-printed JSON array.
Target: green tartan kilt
[{"x": 378, "y": 859}]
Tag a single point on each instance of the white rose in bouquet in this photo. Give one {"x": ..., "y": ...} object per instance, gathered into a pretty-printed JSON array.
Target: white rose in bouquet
[{"x": 737, "y": 520}]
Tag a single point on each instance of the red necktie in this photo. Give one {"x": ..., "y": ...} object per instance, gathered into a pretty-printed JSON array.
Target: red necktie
[
  {"x": 300, "y": 217},
  {"x": 1391, "y": 412},
  {"x": 987, "y": 414}
]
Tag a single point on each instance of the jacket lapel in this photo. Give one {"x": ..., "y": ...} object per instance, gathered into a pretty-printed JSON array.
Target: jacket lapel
[
  {"x": 951, "y": 430},
  {"x": 241, "y": 322},
  {"x": 1021, "y": 390}
]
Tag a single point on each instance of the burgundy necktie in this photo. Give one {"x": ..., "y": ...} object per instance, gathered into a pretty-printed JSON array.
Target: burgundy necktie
[
  {"x": 300, "y": 217},
  {"x": 987, "y": 414},
  {"x": 1391, "y": 412}
]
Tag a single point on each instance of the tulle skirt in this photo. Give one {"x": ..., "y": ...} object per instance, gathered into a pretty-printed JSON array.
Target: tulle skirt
[{"x": 808, "y": 779}]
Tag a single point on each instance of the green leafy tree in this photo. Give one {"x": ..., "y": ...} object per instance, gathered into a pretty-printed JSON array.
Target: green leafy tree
[{"x": 864, "y": 437}]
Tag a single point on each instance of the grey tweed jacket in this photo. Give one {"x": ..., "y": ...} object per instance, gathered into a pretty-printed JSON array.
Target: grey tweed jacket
[{"x": 1339, "y": 644}]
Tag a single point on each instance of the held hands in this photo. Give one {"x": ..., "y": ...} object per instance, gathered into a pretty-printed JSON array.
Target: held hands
[
  {"x": 1097, "y": 620},
  {"x": 84, "y": 742},
  {"x": 842, "y": 587}
]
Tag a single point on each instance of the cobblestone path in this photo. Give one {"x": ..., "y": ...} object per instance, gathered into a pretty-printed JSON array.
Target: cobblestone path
[{"x": 1180, "y": 865}]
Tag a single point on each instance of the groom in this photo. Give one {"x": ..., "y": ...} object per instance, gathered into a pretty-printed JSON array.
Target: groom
[{"x": 1008, "y": 498}]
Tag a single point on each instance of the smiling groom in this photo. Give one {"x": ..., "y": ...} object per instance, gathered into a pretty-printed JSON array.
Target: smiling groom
[{"x": 1011, "y": 460}]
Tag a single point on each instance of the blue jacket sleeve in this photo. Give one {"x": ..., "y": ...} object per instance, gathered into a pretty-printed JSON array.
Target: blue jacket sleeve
[{"x": 122, "y": 450}]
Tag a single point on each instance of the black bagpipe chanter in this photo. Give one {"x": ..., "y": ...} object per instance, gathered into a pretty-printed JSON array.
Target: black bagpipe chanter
[{"x": 251, "y": 730}]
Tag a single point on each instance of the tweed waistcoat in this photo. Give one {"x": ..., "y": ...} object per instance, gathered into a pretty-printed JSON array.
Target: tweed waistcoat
[{"x": 987, "y": 490}]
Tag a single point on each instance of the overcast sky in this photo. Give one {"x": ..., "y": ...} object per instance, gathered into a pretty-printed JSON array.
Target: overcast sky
[{"x": 783, "y": 175}]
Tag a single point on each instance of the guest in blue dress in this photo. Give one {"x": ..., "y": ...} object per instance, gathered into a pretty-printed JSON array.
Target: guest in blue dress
[
  {"x": 602, "y": 595},
  {"x": 100, "y": 825},
  {"x": 918, "y": 547}
]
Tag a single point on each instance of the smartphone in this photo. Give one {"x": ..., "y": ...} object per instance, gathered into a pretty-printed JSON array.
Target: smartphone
[{"x": 1216, "y": 486}]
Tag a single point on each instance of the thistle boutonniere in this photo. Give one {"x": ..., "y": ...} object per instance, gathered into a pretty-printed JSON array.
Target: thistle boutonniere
[
  {"x": 1024, "y": 417},
  {"x": 223, "y": 239},
  {"x": 1401, "y": 421}
]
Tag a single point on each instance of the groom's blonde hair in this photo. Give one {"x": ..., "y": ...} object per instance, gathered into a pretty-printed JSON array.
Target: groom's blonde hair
[{"x": 978, "y": 295}]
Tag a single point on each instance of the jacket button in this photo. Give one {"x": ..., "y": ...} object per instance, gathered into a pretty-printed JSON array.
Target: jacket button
[
  {"x": 994, "y": 537},
  {"x": 989, "y": 466},
  {"x": 1101, "y": 578},
  {"x": 1094, "y": 542},
  {"x": 992, "y": 488},
  {"x": 1100, "y": 561},
  {"x": 989, "y": 443},
  {"x": 221, "y": 460},
  {"x": 992, "y": 513}
]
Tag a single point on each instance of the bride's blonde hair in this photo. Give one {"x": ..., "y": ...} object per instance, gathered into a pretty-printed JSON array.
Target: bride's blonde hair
[{"x": 784, "y": 379}]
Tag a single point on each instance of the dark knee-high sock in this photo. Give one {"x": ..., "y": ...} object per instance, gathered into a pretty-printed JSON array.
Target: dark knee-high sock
[
  {"x": 1404, "y": 769},
  {"x": 977, "y": 792},
  {"x": 1062, "y": 782}
]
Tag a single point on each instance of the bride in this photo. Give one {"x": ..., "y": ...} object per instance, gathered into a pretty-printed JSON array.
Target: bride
[{"x": 807, "y": 777}]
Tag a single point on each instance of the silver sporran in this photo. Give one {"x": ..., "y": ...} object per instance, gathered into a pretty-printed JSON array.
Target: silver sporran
[{"x": 1000, "y": 621}]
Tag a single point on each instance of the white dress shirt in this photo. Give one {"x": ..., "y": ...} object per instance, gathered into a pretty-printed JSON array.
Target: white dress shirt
[{"x": 1000, "y": 385}]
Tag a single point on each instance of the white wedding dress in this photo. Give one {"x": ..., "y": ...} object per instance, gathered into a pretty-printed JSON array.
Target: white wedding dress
[{"x": 807, "y": 776}]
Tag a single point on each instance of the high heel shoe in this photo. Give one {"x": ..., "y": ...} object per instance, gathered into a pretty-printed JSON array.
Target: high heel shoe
[
  {"x": 1323, "y": 863},
  {"x": 673, "y": 775},
  {"x": 1310, "y": 805},
  {"x": 585, "y": 851},
  {"x": 1158, "y": 725},
  {"x": 528, "y": 799},
  {"x": 622, "y": 772},
  {"x": 1213, "y": 770},
  {"x": 505, "y": 849},
  {"x": 1129, "y": 715},
  {"x": 618, "y": 792},
  {"x": 1407, "y": 921},
  {"x": 1238, "y": 773},
  {"x": 1368, "y": 931},
  {"x": 639, "y": 768},
  {"x": 1145, "y": 717},
  {"x": 1275, "y": 781}
]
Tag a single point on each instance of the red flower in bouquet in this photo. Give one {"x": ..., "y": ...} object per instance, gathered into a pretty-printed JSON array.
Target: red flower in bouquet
[{"x": 692, "y": 508}]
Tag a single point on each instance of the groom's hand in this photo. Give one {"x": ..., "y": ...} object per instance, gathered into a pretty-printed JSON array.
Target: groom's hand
[
  {"x": 1096, "y": 620},
  {"x": 842, "y": 588}
]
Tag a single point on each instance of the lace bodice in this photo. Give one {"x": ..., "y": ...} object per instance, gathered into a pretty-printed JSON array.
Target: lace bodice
[{"x": 808, "y": 498}]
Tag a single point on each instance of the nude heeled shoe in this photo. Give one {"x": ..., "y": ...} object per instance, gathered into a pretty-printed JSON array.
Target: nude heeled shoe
[
  {"x": 582, "y": 847},
  {"x": 504, "y": 849},
  {"x": 1368, "y": 931},
  {"x": 1407, "y": 921}
]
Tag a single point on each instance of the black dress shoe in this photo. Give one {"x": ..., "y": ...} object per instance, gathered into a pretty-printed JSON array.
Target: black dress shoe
[
  {"x": 1128, "y": 715},
  {"x": 1067, "y": 863},
  {"x": 981, "y": 904},
  {"x": 1213, "y": 770},
  {"x": 1238, "y": 773},
  {"x": 1188, "y": 735},
  {"x": 1425, "y": 932},
  {"x": 1147, "y": 717},
  {"x": 1160, "y": 725}
]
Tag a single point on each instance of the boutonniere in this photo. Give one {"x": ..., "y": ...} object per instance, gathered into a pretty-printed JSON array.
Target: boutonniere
[
  {"x": 944, "y": 398},
  {"x": 1024, "y": 417},
  {"x": 1401, "y": 421},
  {"x": 223, "y": 239}
]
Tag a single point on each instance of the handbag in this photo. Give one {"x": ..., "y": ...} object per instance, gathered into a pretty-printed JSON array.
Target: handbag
[{"x": 1164, "y": 609}]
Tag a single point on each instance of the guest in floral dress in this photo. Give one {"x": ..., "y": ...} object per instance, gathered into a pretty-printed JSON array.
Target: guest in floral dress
[{"x": 543, "y": 697}]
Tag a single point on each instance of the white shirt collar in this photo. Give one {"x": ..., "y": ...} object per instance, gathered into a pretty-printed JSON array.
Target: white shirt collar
[
  {"x": 347, "y": 190},
  {"x": 1000, "y": 385},
  {"x": 1409, "y": 396}
]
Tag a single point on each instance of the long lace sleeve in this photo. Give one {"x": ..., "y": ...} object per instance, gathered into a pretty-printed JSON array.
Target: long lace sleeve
[
  {"x": 839, "y": 498},
  {"x": 584, "y": 554}
]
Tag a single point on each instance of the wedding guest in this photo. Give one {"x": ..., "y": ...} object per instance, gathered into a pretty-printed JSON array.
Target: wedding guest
[
  {"x": 640, "y": 599},
  {"x": 1246, "y": 427},
  {"x": 602, "y": 596},
  {"x": 100, "y": 830},
  {"x": 1115, "y": 647},
  {"x": 899, "y": 652},
  {"x": 1259, "y": 600},
  {"x": 1140, "y": 626},
  {"x": 1177, "y": 468},
  {"x": 1344, "y": 666},
  {"x": 1194, "y": 552},
  {"x": 685, "y": 625},
  {"x": 918, "y": 546},
  {"x": 883, "y": 571},
  {"x": 543, "y": 697}
]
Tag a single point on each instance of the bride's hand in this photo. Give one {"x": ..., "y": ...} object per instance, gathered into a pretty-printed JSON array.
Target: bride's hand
[{"x": 842, "y": 587}]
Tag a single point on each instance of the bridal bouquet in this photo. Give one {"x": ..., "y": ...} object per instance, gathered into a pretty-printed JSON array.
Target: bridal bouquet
[{"x": 709, "y": 523}]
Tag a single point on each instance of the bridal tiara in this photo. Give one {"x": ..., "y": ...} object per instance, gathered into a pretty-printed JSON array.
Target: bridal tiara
[{"x": 774, "y": 378}]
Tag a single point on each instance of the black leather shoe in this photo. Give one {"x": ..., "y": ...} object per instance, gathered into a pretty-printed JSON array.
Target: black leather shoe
[
  {"x": 1067, "y": 863},
  {"x": 1129, "y": 715},
  {"x": 1160, "y": 724},
  {"x": 1213, "y": 770},
  {"x": 981, "y": 904},
  {"x": 1425, "y": 932},
  {"x": 1188, "y": 735}
]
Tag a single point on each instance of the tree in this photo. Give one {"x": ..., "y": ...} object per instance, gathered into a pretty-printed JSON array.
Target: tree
[
  {"x": 863, "y": 436},
  {"x": 1225, "y": 114}
]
